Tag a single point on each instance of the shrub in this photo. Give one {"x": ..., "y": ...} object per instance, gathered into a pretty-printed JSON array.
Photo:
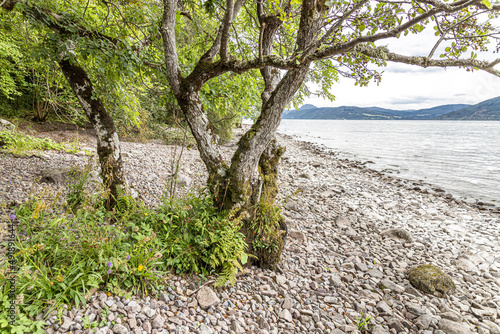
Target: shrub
[
  {"x": 266, "y": 233},
  {"x": 65, "y": 253},
  {"x": 200, "y": 239}
]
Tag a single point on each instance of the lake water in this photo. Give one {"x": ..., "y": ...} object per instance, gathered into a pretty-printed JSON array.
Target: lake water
[{"x": 461, "y": 157}]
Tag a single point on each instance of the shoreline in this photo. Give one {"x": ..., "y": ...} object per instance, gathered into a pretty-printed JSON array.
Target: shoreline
[
  {"x": 338, "y": 266},
  {"x": 423, "y": 185}
]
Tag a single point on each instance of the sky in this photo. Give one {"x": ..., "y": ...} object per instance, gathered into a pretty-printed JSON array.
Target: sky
[{"x": 407, "y": 87}]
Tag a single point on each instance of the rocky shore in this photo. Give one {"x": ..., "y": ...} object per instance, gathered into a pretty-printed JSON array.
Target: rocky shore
[{"x": 343, "y": 267}]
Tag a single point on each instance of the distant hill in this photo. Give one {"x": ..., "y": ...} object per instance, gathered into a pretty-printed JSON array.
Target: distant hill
[
  {"x": 308, "y": 111},
  {"x": 488, "y": 110},
  {"x": 335, "y": 113},
  {"x": 307, "y": 107}
]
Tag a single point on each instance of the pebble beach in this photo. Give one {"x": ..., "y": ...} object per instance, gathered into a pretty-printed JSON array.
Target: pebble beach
[{"x": 343, "y": 269}]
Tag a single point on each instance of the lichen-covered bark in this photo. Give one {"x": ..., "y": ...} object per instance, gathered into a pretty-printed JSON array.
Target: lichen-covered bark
[
  {"x": 268, "y": 170},
  {"x": 272, "y": 224},
  {"x": 108, "y": 144}
]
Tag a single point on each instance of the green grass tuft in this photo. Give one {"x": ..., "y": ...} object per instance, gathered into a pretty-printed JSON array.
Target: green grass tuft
[{"x": 18, "y": 143}]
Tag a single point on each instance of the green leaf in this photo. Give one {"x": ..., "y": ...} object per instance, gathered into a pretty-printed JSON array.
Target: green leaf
[
  {"x": 487, "y": 4},
  {"x": 244, "y": 258}
]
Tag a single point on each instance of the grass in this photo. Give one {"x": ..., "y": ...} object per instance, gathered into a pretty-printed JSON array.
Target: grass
[
  {"x": 66, "y": 252},
  {"x": 363, "y": 322},
  {"x": 19, "y": 143}
]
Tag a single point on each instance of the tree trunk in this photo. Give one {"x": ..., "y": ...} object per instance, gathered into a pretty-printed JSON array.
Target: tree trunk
[
  {"x": 250, "y": 185},
  {"x": 206, "y": 140},
  {"x": 108, "y": 144}
]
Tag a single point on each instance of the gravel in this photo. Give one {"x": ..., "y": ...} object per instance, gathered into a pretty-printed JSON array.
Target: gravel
[{"x": 342, "y": 265}]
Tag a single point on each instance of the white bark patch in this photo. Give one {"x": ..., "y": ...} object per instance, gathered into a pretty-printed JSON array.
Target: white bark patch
[
  {"x": 85, "y": 105},
  {"x": 101, "y": 132},
  {"x": 115, "y": 146},
  {"x": 221, "y": 172}
]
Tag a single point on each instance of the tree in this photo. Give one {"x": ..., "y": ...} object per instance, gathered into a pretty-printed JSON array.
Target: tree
[
  {"x": 289, "y": 42},
  {"x": 289, "y": 38},
  {"x": 103, "y": 49},
  {"x": 12, "y": 68},
  {"x": 69, "y": 44}
]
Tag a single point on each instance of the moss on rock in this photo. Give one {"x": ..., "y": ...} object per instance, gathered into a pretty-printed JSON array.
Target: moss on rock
[{"x": 430, "y": 279}]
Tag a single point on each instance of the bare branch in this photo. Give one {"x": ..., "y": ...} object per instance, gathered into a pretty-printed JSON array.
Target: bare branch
[
  {"x": 440, "y": 39},
  {"x": 383, "y": 54},
  {"x": 212, "y": 52}
]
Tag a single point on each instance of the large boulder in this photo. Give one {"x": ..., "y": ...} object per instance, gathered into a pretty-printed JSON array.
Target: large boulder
[
  {"x": 6, "y": 125},
  {"x": 430, "y": 279}
]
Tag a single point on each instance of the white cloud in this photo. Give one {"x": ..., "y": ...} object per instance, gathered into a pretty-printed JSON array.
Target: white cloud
[{"x": 421, "y": 88}]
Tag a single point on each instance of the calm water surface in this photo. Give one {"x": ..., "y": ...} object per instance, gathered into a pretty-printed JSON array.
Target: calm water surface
[{"x": 462, "y": 157}]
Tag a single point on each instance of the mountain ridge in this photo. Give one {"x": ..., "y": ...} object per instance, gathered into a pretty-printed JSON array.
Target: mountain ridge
[{"x": 486, "y": 110}]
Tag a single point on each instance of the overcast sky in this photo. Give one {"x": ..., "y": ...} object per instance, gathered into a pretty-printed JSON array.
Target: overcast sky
[{"x": 411, "y": 87}]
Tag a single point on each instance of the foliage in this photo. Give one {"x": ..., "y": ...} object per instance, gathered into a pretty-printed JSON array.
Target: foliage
[
  {"x": 52, "y": 95},
  {"x": 77, "y": 192},
  {"x": 200, "y": 239},
  {"x": 22, "y": 324},
  {"x": 228, "y": 99},
  {"x": 11, "y": 69},
  {"x": 19, "y": 143},
  {"x": 265, "y": 225},
  {"x": 65, "y": 253},
  {"x": 265, "y": 233},
  {"x": 28, "y": 79},
  {"x": 101, "y": 250},
  {"x": 151, "y": 129}
]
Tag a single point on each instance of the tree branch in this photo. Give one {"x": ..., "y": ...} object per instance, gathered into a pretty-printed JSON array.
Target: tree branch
[
  {"x": 339, "y": 22},
  {"x": 346, "y": 46},
  {"x": 226, "y": 25},
  {"x": 57, "y": 22},
  {"x": 307, "y": 18},
  {"x": 383, "y": 54},
  {"x": 212, "y": 52},
  {"x": 167, "y": 30}
]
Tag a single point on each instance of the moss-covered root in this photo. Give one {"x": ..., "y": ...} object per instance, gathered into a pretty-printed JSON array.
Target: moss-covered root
[
  {"x": 268, "y": 169},
  {"x": 269, "y": 257},
  {"x": 430, "y": 279}
]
